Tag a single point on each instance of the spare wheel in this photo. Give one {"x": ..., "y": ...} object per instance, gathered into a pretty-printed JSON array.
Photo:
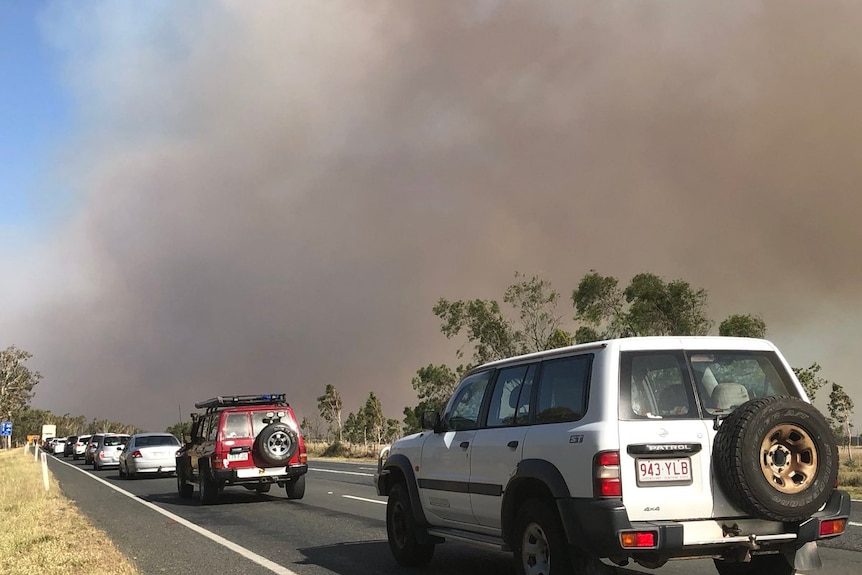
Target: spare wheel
[
  {"x": 776, "y": 458},
  {"x": 276, "y": 444}
]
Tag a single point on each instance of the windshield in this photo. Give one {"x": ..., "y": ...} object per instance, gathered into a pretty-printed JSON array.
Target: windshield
[{"x": 671, "y": 384}]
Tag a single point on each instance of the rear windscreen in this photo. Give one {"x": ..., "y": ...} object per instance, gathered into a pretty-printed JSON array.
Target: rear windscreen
[
  {"x": 156, "y": 440},
  {"x": 673, "y": 384}
]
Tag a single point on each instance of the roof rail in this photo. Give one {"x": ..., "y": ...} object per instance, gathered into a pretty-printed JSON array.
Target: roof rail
[{"x": 240, "y": 400}]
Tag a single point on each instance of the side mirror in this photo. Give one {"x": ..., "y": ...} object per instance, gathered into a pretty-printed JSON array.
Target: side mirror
[{"x": 431, "y": 420}]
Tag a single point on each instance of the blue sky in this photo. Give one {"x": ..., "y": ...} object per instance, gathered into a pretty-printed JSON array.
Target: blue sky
[{"x": 34, "y": 115}]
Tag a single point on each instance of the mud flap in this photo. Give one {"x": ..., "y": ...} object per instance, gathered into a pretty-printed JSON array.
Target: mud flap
[{"x": 807, "y": 557}]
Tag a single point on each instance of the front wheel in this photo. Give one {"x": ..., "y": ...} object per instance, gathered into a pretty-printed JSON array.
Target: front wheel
[
  {"x": 540, "y": 546},
  {"x": 401, "y": 530},
  {"x": 184, "y": 489},
  {"x": 295, "y": 488},
  {"x": 759, "y": 565}
]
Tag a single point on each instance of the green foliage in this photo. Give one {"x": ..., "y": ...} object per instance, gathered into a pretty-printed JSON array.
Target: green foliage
[
  {"x": 492, "y": 335},
  {"x": 330, "y": 405},
  {"x": 355, "y": 430},
  {"x": 16, "y": 381},
  {"x": 648, "y": 306},
  {"x": 536, "y": 304},
  {"x": 375, "y": 421},
  {"x": 433, "y": 384},
  {"x": 809, "y": 378},
  {"x": 841, "y": 412},
  {"x": 743, "y": 326},
  {"x": 180, "y": 430}
]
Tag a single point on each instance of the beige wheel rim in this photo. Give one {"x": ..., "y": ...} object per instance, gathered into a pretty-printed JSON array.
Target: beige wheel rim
[{"x": 788, "y": 458}]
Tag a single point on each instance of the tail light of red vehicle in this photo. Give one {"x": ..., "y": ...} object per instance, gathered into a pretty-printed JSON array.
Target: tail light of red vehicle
[{"x": 606, "y": 474}]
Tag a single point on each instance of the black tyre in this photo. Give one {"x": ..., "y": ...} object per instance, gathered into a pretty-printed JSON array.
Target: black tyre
[
  {"x": 775, "y": 458},
  {"x": 540, "y": 544},
  {"x": 401, "y": 530},
  {"x": 208, "y": 488},
  {"x": 295, "y": 488},
  {"x": 759, "y": 565},
  {"x": 184, "y": 489},
  {"x": 276, "y": 444}
]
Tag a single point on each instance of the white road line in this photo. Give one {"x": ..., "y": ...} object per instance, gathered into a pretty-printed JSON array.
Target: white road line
[
  {"x": 342, "y": 472},
  {"x": 364, "y": 499},
  {"x": 250, "y": 555},
  {"x": 854, "y": 524}
]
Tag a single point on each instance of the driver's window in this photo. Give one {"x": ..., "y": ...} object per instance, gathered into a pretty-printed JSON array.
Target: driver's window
[{"x": 464, "y": 409}]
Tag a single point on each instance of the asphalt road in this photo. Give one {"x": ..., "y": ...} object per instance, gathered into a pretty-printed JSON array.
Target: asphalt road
[{"x": 338, "y": 528}]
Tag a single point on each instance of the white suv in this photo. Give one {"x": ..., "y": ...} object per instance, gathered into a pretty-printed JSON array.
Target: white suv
[{"x": 636, "y": 449}]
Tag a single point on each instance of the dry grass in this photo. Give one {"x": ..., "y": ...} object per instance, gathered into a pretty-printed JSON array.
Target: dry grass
[
  {"x": 850, "y": 472},
  {"x": 344, "y": 451},
  {"x": 43, "y": 532}
]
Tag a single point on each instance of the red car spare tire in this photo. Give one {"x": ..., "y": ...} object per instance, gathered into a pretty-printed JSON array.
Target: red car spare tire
[
  {"x": 276, "y": 444},
  {"x": 776, "y": 458}
]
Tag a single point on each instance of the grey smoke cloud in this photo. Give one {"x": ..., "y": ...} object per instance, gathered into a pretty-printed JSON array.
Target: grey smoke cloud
[{"x": 273, "y": 199}]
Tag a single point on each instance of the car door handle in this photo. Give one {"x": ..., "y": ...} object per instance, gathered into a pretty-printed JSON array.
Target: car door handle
[
  {"x": 465, "y": 444},
  {"x": 513, "y": 444}
]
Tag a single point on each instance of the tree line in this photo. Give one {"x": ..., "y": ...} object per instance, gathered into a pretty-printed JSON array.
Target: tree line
[{"x": 528, "y": 320}]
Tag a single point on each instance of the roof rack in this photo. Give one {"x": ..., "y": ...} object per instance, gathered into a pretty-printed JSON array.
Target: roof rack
[{"x": 240, "y": 400}]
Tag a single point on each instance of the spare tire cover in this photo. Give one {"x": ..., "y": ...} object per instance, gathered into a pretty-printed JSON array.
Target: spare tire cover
[
  {"x": 775, "y": 458},
  {"x": 276, "y": 444}
]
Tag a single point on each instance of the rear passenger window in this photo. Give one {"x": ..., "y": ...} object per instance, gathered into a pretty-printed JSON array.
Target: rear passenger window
[
  {"x": 510, "y": 402},
  {"x": 563, "y": 388},
  {"x": 653, "y": 386},
  {"x": 212, "y": 427},
  {"x": 236, "y": 425}
]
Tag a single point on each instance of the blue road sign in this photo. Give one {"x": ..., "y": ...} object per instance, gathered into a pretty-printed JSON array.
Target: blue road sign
[{"x": 6, "y": 428}]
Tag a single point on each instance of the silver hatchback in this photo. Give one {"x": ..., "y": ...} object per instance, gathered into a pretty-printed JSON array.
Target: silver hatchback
[
  {"x": 108, "y": 452},
  {"x": 149, "y": 453}
]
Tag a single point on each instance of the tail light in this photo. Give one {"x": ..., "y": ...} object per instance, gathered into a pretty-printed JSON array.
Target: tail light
[
  {"x": 832, "y": 527},
  {"x": 639, "y": 539},
  {"x": 136, "y": 453},
  {"x": 101, "y": 455},
  {"x": 606, "y": 474}
]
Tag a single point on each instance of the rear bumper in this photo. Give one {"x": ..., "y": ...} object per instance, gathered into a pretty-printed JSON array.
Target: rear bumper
[
  {"x": 153, "y": 467},
  {"x": 259, "y": 475},
  {"x": 594, "y": 527}
]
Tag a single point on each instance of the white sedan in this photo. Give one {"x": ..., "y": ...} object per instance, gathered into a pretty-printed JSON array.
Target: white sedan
[{"x": 149, "y": 453}]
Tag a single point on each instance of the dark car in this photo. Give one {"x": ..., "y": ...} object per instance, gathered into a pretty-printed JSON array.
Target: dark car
[{"x": 69, "y": 448}]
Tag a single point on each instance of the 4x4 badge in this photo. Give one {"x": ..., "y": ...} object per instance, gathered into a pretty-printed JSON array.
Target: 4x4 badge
[{"x": 662, "y": 432}]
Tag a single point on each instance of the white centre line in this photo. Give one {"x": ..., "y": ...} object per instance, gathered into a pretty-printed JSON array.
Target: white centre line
[
  {"x": 248, "y": 554},
  {"x": 343, "y": 472},
  {"x": 364, "y": 499},
  {"x": 854, "y": 524}
]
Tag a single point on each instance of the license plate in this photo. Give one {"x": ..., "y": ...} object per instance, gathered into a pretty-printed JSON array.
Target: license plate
[
  {"x": 664, "y": 471},
  {"x": 238, "y": 456}
]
